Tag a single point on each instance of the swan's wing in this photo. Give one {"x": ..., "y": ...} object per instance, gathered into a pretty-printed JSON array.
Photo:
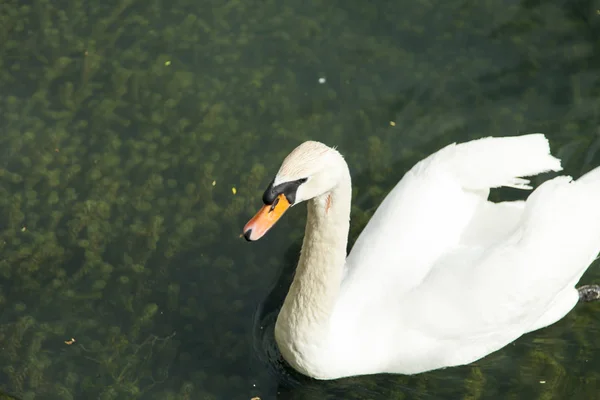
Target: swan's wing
[
  {"x": 475, "y": 300},
  {"x": 425, "y": 215},
  {"x": 491, "y": 223},
  {"x": 523, "y": 282}
]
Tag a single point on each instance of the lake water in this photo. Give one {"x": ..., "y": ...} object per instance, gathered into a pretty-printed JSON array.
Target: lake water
[{"x": 136, "y": 139}]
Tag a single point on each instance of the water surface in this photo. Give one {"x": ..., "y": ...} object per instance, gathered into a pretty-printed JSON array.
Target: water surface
[{"x": 136, "y": 139}]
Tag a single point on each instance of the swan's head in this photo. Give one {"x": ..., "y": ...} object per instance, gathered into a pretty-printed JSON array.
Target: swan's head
[{"x": 310, "y": 170}]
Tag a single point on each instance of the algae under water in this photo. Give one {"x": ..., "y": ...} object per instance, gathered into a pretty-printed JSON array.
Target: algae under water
[{"x": 136, "y": 139}]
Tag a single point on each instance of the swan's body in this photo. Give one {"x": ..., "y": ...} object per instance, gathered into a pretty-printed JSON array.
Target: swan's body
[{"x": 440, "y": 276}]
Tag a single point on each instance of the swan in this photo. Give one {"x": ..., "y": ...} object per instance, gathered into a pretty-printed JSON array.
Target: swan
[{"x": 440, "y": 276}]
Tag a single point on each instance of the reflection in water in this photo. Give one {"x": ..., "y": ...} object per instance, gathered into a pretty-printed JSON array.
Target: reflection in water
[{"x": 264, "y": 323}]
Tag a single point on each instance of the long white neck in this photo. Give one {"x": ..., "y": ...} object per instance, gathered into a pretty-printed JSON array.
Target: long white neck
[{"x": 303, "y": 322}]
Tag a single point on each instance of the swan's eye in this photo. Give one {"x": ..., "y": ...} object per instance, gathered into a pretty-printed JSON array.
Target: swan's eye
[
  {"x": 274, "y": 204},
  {"x": 288, "y": 189}
]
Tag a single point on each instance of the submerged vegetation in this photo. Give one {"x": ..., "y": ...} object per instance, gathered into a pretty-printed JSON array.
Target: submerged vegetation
[{"x": 135, "y": 139}]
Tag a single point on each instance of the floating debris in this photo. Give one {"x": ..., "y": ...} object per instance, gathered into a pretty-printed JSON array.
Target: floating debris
[
  {"x": 167, "y": 63},
  {"x": 322, "y": 80},
  {"x": 70, "y": 342},
  {"x": 214, "y": 183},
  {"x": 392, "y": 123},
  {"x": 233, "y": 190}
]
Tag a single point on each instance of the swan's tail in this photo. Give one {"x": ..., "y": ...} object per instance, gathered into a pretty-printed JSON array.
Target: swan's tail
[
  {"x": 562, "y": 220},
  {"x": 493, "y": 162}
]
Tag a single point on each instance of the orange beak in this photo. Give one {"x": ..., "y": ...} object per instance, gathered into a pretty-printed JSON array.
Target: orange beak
[{"x": 265, "y": 218}]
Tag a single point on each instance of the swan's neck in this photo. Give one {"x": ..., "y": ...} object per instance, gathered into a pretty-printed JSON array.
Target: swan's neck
[{"x": 303, "y": 322}]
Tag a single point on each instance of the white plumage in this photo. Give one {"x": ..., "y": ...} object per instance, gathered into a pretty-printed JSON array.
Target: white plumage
[{"x": 440, "y": 276}]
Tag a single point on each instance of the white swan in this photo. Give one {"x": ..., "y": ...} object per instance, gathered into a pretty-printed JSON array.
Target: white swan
[{"x": 440, "y": 276}]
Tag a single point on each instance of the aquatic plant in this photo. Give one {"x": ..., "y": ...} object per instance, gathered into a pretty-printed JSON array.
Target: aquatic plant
[{"x": 125, "y": 125}]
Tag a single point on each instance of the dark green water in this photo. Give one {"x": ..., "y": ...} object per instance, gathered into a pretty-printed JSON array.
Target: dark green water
[{"x": 124, "y": 126}]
